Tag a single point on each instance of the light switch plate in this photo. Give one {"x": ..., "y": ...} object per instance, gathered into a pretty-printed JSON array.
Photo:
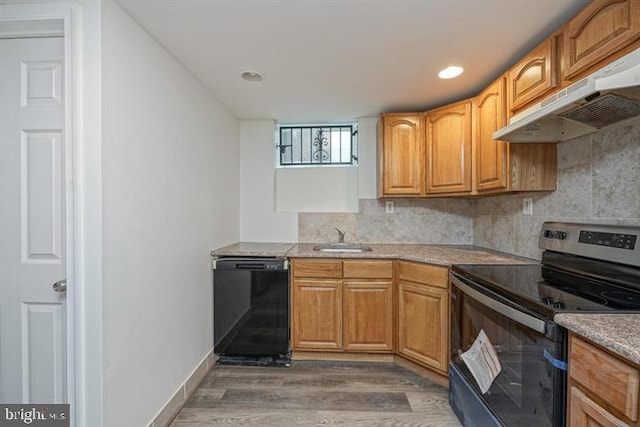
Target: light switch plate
[
  {"x": 527, "y": 206},
  {"x": 390, "y": 207}
]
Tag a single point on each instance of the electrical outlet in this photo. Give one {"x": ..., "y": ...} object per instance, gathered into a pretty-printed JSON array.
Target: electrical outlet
[
  {"x": 527, "y": 206},
  {"x": 390, "y": 207}
]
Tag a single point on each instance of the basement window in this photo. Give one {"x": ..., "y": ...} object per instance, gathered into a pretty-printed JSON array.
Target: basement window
[{"x": 317, "y": 145}]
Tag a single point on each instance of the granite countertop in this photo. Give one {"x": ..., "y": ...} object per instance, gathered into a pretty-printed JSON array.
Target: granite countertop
[
  {"x": 618, "y": 333},
  {"x": 432, "y": 254},
  {"x": 254, "y": 249},
  {"x": 445, "y": 255}
]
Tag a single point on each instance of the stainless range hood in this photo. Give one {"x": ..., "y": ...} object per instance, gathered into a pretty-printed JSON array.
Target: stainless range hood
[{"x": 608, "y": 96}]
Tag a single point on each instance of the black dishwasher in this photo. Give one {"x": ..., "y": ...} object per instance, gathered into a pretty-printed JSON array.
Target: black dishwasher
[{"x": 251, "y": 311}]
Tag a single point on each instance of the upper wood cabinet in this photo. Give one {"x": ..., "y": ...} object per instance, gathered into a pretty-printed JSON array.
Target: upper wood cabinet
[
  {"x": 502, "y": 167},
  {"x": 448, "y": 141},
  {"x": 490, "y": 157},
  {"x": 534, "y": 76},
  {"x": 457, "y": 164},
  {"x": 599, "y": 31},
  {"x": 401, "y": 158},
  {"x": 450, "y": 151}
]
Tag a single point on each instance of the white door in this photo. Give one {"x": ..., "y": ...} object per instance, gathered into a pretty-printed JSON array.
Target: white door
[{"x": 32, "y": 246}]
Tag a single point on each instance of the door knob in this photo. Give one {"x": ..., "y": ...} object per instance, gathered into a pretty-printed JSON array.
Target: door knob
[{"x": 60, "y": 286}]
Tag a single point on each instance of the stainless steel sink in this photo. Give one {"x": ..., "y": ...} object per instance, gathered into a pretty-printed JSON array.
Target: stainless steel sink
[{"x": 342, "y": 247}]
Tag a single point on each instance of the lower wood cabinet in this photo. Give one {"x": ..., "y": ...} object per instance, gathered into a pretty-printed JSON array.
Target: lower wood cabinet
[
  {"x": 603, "y": 389},
  {"x": 342, "y": 305},
  {"x": 368, "y": 316},
  {"x": 365, "y": 306},
  {"x": 317, "y": 319},
  {"x": 423, "y": 314}
]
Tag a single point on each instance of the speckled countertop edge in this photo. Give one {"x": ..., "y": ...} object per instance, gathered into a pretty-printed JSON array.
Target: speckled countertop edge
[
  {"x": 445, "y": 255},
  {"x": 264, "y": 249},
  {"x": 619, "y": 333}
]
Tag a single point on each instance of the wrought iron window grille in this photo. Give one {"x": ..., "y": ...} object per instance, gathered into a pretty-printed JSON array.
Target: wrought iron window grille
[{"x": 317, "y": 145}]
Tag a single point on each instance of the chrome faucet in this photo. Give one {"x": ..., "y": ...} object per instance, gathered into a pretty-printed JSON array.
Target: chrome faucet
[{"x": 341, "y": 235}]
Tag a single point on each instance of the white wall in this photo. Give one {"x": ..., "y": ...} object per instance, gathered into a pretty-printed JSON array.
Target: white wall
[
  {"x": 317, "y": 189},
  {"x": 87, "y": 277},
  {"x": 367, "y": 158},
  {"x": 259, "y": 222},
  {"x": 170, "y": 195}
]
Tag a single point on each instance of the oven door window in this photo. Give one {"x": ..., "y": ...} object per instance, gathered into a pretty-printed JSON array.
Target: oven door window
[{"x": 523, "y": 393}]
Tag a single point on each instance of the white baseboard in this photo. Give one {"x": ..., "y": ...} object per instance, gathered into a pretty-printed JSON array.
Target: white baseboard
[{"x": 169, "y": 410}]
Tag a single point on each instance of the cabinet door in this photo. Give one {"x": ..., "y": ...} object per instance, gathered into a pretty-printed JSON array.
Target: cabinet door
[
  {"x": 316, "y": 315},
  {"x": 600, "y": 30},
  {"x": 584, "y": 412},
  {"x": 449, "y": 149},
  {"x": 490, "y": 156},
  {"x": 401, "y": 169},
  {"x": 533, "y": 76},
  {"x": 368, "y": 316},
  {"x": 423, "y": 324}
]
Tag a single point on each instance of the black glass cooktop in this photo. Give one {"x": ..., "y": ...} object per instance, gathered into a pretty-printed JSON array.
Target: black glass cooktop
[{"x": 578, "y": 285}]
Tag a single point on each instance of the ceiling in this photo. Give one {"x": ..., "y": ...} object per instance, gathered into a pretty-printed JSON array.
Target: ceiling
[{"x": 337, "y": 60}]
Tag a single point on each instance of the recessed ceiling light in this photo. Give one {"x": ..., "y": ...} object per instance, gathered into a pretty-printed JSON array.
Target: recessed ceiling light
[
  {"x": 252, "y": 76},
  {"x": 450, "y": 72}
]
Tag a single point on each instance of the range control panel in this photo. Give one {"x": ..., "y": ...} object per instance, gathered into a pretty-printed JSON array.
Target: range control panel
[
  {"x": 615, "y": 243},
  {"x": 615, "y": 240},
  {"x": 557, "y": 234}
]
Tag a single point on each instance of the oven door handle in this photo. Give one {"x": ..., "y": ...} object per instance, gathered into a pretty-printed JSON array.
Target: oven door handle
[{"x": 524, "y": 319}]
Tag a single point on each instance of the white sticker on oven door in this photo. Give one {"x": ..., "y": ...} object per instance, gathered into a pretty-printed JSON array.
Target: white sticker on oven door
[{"x": 482, "y": 361}]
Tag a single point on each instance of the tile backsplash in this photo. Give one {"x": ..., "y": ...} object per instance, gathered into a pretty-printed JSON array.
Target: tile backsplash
[
  {"x": 420, "y": 221},
  {"x": 598, "y": 181}
]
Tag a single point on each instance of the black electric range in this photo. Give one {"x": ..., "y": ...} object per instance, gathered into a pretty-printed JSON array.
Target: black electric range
[
  {"x": 578, "y": 285},
  {"x": 584, "y": 268}
]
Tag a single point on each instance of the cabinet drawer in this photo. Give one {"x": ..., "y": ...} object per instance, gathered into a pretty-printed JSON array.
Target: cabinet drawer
[
  {"x": 425, "y": 274},
  {"x": 607, "y": 377},
  {"x": 320, "y": 268},
  {"x": 368, "y": 269}
]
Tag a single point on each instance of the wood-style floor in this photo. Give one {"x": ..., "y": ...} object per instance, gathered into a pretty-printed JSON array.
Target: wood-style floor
[{"x": 317, "y": 394}]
